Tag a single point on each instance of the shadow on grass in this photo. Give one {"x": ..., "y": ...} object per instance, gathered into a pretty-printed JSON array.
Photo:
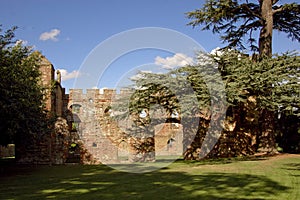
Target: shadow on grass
[
  {"x": 222, "y": 161},
  {"x": 294, "y": 169},
  {"x": 292, "y": 166},
  {"x": 101, "y": 182}
]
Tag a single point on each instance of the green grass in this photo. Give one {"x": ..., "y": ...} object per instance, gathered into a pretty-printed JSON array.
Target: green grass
[{"x": 266, "y": 178}]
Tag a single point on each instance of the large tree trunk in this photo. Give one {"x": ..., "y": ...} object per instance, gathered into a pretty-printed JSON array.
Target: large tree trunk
[
  {"x": 265, "y": 37},
  {"x": 266, "y": 139}
]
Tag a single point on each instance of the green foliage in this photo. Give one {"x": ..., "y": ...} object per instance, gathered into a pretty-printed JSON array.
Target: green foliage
[
  {"x": 22, "y": 115},
  {"x": 236, "y": 21},
  {"x": 286, "y": 19},
  {"x": 270, "y": 84},
  {"x": 273, "y": 82},
  {"x": 258, "y": 87},
  {"x": 73, "y": 145},
  {"x": 183, "y": 90}
]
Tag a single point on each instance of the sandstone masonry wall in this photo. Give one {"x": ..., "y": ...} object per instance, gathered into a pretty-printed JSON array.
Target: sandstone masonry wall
[
  {"x": 103, "y": 136},
  {"x": 84, "y": 119}
]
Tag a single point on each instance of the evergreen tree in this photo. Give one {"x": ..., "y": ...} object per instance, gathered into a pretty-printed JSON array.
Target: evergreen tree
[
  {"x": 235, "y": 21},
  {"x": 255, "y": 89},
  {"x": 252, "y": 88}
]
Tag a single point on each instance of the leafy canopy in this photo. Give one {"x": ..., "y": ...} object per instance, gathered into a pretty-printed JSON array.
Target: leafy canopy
[
  {"x": 237, "y": 22},
  {"x": 21, "y": 96},
  {"x": 274, "y": 82}
]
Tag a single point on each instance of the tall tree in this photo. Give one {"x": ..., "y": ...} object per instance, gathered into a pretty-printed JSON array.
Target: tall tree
[
  {"x": 258, "y": 90},
  {"x": 235, "y": 21},
  {"x": 22, "y": 115}
]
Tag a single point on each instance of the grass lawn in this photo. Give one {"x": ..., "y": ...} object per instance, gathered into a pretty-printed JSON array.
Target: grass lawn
[{"x": 265, "y": 178}]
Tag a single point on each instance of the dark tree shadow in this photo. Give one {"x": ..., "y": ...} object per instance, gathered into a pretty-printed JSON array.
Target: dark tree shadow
[
  {"x": 292, "y": 166},
  {"x": 101, "y": 182}
]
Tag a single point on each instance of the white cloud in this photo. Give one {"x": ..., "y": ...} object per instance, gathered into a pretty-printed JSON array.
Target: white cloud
[
  {"x": 139, "y": 75},
  {"x": 51, "y": 35},
  {"x": 65, "y": 75},
  {"x": 21, "y": 42},
  {"x": 178, "y": 60}
]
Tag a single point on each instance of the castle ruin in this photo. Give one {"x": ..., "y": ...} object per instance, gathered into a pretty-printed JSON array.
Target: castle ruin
[
  {"x": 105, "y": 138},
  {"x": 86, "y": 128}
]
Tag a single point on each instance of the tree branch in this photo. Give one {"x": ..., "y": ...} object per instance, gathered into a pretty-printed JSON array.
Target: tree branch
[
  {"x": 278, "y": 10},
  {"x": 250, "y": 11}
]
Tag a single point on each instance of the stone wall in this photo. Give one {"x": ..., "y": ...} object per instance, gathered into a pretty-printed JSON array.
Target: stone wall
[
  {"x": 47, "y": 79},
  {"x": 48, "y": 148},
  {"x": 105, "y": 138},
  {"x": 55, "y": 99},
  {"x": 51, "y": 147},
  {"x": 168, "y": 139},
  {"x": 83, "y": 119}
]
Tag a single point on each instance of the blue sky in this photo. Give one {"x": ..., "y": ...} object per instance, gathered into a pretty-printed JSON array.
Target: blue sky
[{"x": 67, "y": 31}]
